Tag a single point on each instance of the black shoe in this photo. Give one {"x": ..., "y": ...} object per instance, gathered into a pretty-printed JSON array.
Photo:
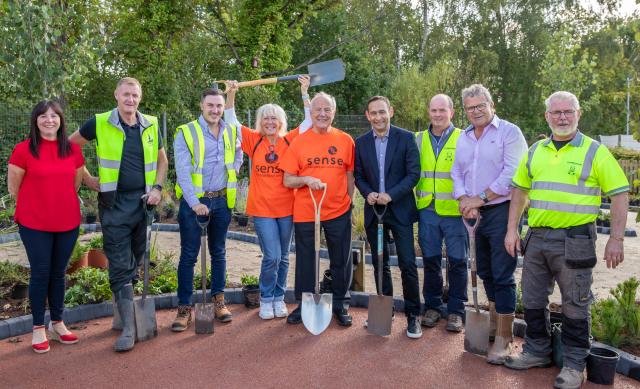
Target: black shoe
[
  {"x": 295, "y": 317},
  {"x": 343, "y": 317},
  {"x": 413, "y": 328}
]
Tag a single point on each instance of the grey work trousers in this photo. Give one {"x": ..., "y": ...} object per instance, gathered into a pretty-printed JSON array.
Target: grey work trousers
[
  {"x": 565, "y": 257},
  {"x": 124, "y": 231}
]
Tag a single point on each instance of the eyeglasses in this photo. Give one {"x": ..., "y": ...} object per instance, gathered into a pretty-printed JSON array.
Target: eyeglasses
[
  {"x": 480, "y": 107},
  {"x": 568, "y": 113}
]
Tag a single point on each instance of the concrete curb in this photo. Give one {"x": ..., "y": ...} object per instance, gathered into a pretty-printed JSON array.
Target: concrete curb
[{"x": 629, "y": 365}]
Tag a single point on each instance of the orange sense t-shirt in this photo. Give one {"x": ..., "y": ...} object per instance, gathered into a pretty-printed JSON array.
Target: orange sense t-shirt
[
  {"x": 329, "y": 157},
  {"x": 268, "y": 197}
]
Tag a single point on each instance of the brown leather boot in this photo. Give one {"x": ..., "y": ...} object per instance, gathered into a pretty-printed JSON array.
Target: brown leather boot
[
  {"x": 222, "y": 313},
  {"x": 492, "y": 321},
  {"x": 182, "y": 320},
  {"x": 501, "y": 347}
]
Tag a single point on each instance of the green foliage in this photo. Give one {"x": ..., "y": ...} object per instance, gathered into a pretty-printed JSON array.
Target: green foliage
[
  {"x": 249, "y": 280},
  {"x": 616, "y": 321},
  {"x": 97, "y": 242},
  {"x": 90, "y": 286},
  {"x": 7, "y": 210},
  {"x": 13, "y": 273},
  {"x": 79, "y": 250},
  {"x": 621, "y": 153},
  {"x": 519, "y": 304}
]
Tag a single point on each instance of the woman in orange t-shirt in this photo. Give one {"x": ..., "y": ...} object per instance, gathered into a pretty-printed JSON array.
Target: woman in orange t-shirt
[{"x": 269, "y": 201}]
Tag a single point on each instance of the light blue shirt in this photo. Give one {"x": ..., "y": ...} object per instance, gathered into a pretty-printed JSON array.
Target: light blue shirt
[
  {"x": 214, "y": 172},
  {"x": 381, "y": 150}
]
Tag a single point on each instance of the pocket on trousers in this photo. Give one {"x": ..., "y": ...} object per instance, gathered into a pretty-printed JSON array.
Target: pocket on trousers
[
  {"x": 525, "y": 242},
  {"x": 582, "y": 289},
  {"x": 580, "y": 253}
]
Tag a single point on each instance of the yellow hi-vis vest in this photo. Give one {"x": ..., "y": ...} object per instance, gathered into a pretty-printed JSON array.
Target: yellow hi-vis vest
[
  {"x": 435, "y": 175},
  {"x": 564, "y": 198},
  {"x": 194, "y": 138},
  {"x": 109, "y": 144}
]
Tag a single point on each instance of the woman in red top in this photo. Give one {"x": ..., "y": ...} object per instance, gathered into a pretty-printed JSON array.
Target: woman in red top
[
  {"x": 269, "y": 201},
  {"x": 45, "y": 172}
]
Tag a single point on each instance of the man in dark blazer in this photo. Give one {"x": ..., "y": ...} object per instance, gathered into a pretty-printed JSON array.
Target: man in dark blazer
[{"x": 387, "y": 168}]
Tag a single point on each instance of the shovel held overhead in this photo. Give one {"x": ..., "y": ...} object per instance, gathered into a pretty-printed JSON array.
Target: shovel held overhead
[
  {"x": 316, "y": 307},
  {"x": 145, "y": 309},
  {"x": 205, "y": 313},
  {"x": 476, "y": 328},
  {"x": 380, "y": 306}
]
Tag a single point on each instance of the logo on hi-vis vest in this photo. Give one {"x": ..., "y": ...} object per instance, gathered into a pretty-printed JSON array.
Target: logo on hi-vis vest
[
  {"x": 149, "y": 139},
  {"x": 448, "y": 156},
  {"x": 573, "y": 168}
]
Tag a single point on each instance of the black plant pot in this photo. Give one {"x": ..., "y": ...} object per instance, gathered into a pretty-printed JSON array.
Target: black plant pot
[
  {"x": 601, "y": 365},
  {"x": 251, "y": 296},
  {"x": 90, "y": 219},
  {"x": 20, "y": 291},
  {"x": 243, "y": 220}
]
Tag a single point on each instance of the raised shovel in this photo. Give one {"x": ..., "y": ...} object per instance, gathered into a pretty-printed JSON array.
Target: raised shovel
[
  {"x": 320, "y": 73},
  {"x": 380, "y": 306},
  {"x": 145, "y": 309},
  {"x": 316, "y": 307},
  {"x": 205, "y": 313},
  {"x": 476, "y": 327}
]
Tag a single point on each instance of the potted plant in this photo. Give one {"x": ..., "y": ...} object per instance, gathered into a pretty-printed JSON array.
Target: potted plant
[
  {"x": 96, "y": 256},
  {"x": 250, "y": 290},
  {"x": 15, "y": 278},
  {"x": 79, "y": 258}
]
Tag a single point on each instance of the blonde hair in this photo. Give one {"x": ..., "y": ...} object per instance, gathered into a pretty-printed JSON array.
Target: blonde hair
[
  {"x": 128, "y": 81},
  {"x": 275, "y": 110}
]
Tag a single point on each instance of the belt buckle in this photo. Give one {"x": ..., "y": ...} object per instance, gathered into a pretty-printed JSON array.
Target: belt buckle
[{"x": 209, "y": 195}]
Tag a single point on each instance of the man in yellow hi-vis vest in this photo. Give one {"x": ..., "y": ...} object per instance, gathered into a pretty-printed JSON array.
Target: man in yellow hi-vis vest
[
  {"x": 131, "y": 163},
  {"x": 563, "y": 178},
  {"x": 439, "y": 217},
  {"x": 208, "y": 155}
]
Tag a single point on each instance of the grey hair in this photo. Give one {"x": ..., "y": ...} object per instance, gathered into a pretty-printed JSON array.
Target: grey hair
[
  {"x": 327, "y": 96},
  {"x": 443, "y": 96},
  {"x": 477, "y": 90},
  {"x": 275, "y": 110},
  {"x": 564, "y": 96}
]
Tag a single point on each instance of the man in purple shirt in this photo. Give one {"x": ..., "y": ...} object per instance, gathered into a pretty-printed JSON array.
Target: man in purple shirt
[{"x": 487, "y": 155}]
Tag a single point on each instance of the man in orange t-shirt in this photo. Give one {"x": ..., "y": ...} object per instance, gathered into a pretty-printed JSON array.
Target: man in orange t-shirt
[{"x": 323, "y": 156}]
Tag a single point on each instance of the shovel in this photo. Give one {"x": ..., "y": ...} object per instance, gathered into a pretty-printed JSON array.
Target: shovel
[
  {"x": 316, "y": 307},
  {"x": 380, "y": 306},
  {"x": 145, "y": 310},
  {"x": 205, "y": 313},
  {"x": 445, "y": 258},
  {"x": 476, "y": 328},
  {"x": 320, "y": 73}
]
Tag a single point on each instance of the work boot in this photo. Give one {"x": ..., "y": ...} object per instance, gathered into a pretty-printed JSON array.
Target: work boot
[
  {"x": 569, "y": 379},
  {"x": 500, "y": 348},
  {"x": 525, "y": 360},
  {"x": 430, "y": 318},
  {"x": 124, "y": 302},
  {"x": 295, "y": 317},
  {"x": 492, "y": 321},
  {"x": 183, "y": 319},
  {"x": 222, "y": 313},
  {"x": 116, "y": 323},
  {"x": 454, "y": 323}
]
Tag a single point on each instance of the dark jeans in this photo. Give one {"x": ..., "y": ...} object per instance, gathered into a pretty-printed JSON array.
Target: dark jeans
[
  {"x": 124, "y": 229},
  {"x": 48, "y": 254},
  {"x": 403, "y": 237},
  {"x": 495, "y": 265},
  {"x": 190, "y": 236},
  {"x": 337, "y": 233}
]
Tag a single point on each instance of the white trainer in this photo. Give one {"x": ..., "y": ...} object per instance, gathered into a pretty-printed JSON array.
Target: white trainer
[
  {"x": 266, "y": 310},
  {"x": 280, "y": 309}
]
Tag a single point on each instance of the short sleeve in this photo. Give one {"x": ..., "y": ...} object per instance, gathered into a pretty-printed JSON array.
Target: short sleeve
[
  {"x": 609, "y": 174},
  {"x": 88, "y": 129},
  {"x": 521, "y": 179},
  {"x": 291, "y": 135},
  {"x": 19, "y": 155},
  {"x": 77, "y": 154},
  {"x": 289, "y": 161}
]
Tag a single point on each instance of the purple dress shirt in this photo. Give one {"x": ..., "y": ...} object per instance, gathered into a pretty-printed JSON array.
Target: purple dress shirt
[{"x": 489, "y": 162}]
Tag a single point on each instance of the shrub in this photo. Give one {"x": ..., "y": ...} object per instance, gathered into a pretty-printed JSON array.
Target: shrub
[
  {"x": 247, "y": 280},
  {"x": 79, "y": 250},
  {"x": 96, "y": 242},
  {"x": 616, "y": 321},
  {"x": 13, "y": 273},
  {"x": 91, "y": 286}
]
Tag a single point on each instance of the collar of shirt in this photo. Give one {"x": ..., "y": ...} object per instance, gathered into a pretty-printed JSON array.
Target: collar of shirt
[
  {"x": 125, "y": 125},
  {"x": 495, "y": 122},
  {"x": 575, "y": 142},
  {"x": 383, "y": 137},
  {"x": 205, "y": 126},
  {"x": 445, "y": 133}
]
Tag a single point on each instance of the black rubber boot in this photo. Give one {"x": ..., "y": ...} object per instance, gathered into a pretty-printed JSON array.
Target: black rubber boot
[{"x": 124, "y": 302}]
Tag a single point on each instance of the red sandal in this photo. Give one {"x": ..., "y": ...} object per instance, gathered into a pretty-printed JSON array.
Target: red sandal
[
  {"x": 42, "y": 347},
  {"x": 69, "y": 338}
]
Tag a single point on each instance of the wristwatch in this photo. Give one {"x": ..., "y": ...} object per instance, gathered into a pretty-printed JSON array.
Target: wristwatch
[
  {"x": 483, "y": 196},
  {"x": 158, "y": 187}
]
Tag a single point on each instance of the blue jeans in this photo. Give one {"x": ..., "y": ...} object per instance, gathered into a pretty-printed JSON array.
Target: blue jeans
[
  {"x": 274, "y": 235},
  {"x": 48, "y": 254},
  {"x": 432, "y": 229},
  {"x": 190, "y": 235}
]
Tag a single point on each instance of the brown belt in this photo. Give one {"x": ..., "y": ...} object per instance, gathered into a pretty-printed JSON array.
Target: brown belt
[{"x": 217, "y": 193}]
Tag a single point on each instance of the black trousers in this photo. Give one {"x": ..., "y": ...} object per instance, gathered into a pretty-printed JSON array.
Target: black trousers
[
  {"x": 124, "y": 230},
  {"x": 337, "y": 233},
  {"x": 403, "y": 236}
]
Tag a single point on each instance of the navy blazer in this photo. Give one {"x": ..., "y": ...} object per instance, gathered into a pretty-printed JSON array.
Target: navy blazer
[{"x": 401, "y": 174}]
